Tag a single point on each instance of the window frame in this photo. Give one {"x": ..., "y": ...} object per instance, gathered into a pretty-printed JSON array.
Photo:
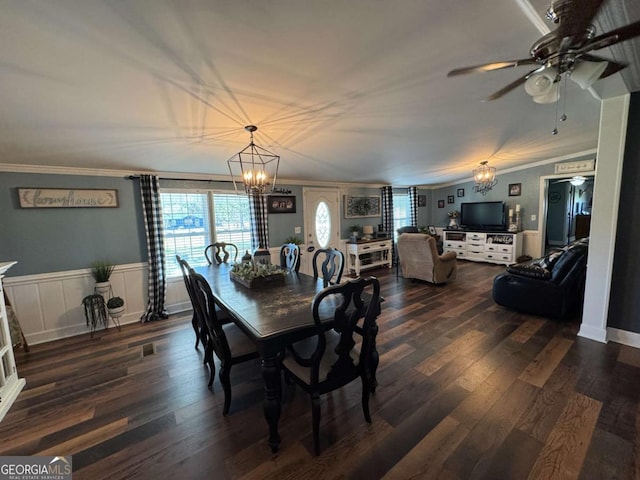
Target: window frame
[{"x": 210, "y": 205}]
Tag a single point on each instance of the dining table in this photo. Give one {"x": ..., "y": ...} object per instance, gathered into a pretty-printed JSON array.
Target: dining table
[{"x": 273, "y": 317}]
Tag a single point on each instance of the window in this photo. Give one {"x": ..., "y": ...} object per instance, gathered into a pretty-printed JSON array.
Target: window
[
  {"x": 323, "y": 224},
  {"x": 188, "y": 228},
  {"x": 401, "y": 213}
]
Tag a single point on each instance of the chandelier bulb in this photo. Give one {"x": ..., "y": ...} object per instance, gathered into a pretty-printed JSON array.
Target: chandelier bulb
[
  {"x": 554, "y": 131},
  {"x": 563, "y": 117}
]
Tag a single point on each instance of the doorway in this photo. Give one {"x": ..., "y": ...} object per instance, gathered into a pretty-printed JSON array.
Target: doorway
[
  {"x": 565, "y": 210},
  {"x": 321, "y": 223}
]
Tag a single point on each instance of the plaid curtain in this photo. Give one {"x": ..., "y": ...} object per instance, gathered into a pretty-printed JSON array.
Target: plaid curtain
[
  {"x": 412, "y": 192},
  {"x": 152, "y": 210},
  {"x": 259, "y": 221},
  {"x": 387, "y": 214}
]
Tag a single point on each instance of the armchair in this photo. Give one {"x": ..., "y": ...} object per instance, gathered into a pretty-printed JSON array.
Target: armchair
[{"x": 419, "y": 259}]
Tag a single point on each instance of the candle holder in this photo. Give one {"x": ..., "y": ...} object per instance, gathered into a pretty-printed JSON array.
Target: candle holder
[{"x": 513, "y": 225}]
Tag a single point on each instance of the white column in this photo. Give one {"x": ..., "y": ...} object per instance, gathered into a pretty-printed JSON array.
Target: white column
[{"x": 604, "y": 219}]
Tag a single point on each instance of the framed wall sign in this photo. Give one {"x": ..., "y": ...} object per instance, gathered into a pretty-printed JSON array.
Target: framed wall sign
[
  {"x": 574, "y": 167},
  {"x": 461, "y": 192},
  {"x": 440, "y": 203},
  {"x": 362, "y": 206},
  {"x": 281, "y": 204},
  {"x": 67, "y": 198},
  {"x": 450, "y": 199},
  {"x": 422, "y": 200}
]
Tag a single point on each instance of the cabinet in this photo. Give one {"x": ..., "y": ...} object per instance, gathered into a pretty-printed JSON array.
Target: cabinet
[
  {"x": 493, "y": 247},
  {"x": 10, "y": 384},
  {"x": 368, "y": 254}
]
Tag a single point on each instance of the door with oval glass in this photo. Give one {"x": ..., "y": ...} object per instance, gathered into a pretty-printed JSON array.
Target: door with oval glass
[{"x": 321, "y": 223}]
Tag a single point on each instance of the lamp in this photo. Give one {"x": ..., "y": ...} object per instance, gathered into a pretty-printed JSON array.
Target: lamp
[
  {"x": 258, "y": 167},
  {"x": 577, "y": 180},
  {"x": 543, "y": 87},
  {"x": 485, "y": 178},
  {"x": 367, "y": 231},
  {"x": 539, "y": 84},
  {"x": 586, "y": 73}
]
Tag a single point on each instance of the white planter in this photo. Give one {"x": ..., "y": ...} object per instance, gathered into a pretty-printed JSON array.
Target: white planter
[
  {"x": 116, "y": 312},
  {"x": 103, "y": 287}
]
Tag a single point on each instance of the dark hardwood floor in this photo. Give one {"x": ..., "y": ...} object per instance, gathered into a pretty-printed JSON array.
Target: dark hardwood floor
[{"x": 467, "y": 389}]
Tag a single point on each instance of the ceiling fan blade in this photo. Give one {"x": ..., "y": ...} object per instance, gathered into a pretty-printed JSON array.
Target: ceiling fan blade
[
  {"x": 512, "y": 86},
  {"x": 611, "y": 38},
  {"x": 612, "y": 67},
  {"x": 489, "y": 67}
]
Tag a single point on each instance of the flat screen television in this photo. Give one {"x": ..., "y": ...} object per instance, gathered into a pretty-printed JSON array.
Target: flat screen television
[{"x": 483, "y": 216}]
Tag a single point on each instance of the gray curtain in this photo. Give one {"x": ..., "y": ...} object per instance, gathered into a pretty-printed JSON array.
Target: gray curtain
[
  {"x": 152, "y": 210},
  {"x": 412, "y": 192},
  {"x": 259, "y": 221}
]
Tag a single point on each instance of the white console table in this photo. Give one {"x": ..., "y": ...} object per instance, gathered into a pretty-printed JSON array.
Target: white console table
[
  {"x": 368, "y": 254},
  {"x": 493, "y": 247},
  {"x": 10, "y": 384}
]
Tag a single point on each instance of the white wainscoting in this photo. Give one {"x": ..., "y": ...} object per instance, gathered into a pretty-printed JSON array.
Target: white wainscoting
[
  {"x": 531, "y": 243},
  {"x": 49, "y": 305}
]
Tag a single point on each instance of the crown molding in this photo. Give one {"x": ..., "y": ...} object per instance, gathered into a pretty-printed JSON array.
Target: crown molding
[{"x": 98, "y": 172}]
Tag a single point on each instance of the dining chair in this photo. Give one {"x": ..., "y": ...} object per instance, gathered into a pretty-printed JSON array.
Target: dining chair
[
  {"x": 290, "y": 256},
  {"x": 332, "y": 265},
  {"x": 340, "y": 352},
  {"x": 230, "y": 344},
  {"x": 200, "y": 330},
  {"x": 220, "y": 252}
]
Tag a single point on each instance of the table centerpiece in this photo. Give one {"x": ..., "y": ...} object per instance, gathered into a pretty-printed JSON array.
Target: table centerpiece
[{"x": 257, "y": 275}]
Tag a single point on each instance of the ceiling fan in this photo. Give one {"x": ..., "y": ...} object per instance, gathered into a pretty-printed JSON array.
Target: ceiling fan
[
  {"x": 576, "y": 180},
  {"x": 563, "y": 50}
]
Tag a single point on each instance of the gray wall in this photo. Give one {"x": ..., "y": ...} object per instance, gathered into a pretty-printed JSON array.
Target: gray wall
[
  {"x": 528, "y": 200},
  {"x": 57, "y": 239},
  {"x": 624, "y": 304},
  {"x": 47, "y": 240}
]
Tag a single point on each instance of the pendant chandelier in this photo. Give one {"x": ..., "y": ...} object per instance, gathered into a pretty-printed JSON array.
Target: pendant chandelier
[
  {"x": 254, "y": 167},
  {"x": 485, "y": 178}
]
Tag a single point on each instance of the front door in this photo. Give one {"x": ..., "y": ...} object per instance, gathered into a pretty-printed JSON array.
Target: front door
[{"x": 321, "y": 223}]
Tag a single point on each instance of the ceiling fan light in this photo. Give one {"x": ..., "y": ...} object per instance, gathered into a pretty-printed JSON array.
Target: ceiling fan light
[
  {"x": 586, "y": 73},
  {"x": 577, "y": 180},
  {"x": 539, "y": 84},
  {"x": 549, "y": 97}
]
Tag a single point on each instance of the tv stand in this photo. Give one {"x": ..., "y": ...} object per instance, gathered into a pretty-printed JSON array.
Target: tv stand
[{"x": 493, "y": 247}]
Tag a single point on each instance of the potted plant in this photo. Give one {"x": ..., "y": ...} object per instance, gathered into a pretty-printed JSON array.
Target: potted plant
[
  {"x": 101, "y": 271},
  {"x": 115, "y": 307},
  {"x": 355, "y": 232},
  {"x": 94, "y": 311}
]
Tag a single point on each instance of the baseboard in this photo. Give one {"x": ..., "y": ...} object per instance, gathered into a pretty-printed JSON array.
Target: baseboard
[
  {"x": 597, "y": 334},
  {"x": 632, "y": 339}
]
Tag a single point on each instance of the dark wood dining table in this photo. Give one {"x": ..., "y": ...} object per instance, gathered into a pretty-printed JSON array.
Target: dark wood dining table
[{"x": 273, "y": 317}]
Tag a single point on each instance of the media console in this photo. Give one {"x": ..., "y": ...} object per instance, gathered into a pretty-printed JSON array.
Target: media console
[{"x": 493, "y": 247}]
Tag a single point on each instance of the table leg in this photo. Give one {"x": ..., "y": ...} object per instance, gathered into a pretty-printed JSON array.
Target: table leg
[{"x": 272, "y": 390}]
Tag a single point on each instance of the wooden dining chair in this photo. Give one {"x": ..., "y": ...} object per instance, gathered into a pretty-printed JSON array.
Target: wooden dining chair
[
  {"x": 331, "y": 267},
  {"x": 230, "y": 344},
  {"x": 290, "y": 257},
  {"x": 200, "y": 330},
  {"x": 336, "y": 356},
  {"x": 220, "y": 252}
]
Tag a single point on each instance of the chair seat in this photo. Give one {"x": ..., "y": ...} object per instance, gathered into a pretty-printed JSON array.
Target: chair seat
[
  {"x": 305, "y": 348},
  {"x": 239, "y": 343}
]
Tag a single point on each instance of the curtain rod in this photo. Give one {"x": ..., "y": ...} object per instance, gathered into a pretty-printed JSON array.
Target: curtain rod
[{"x": 133, "y": 177}]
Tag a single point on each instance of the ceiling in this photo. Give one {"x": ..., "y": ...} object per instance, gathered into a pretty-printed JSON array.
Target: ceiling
[{"x": 350, "y": 90}]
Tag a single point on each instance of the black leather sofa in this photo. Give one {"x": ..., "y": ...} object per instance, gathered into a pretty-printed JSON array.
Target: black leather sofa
[{"x": 551, "y": 286}]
